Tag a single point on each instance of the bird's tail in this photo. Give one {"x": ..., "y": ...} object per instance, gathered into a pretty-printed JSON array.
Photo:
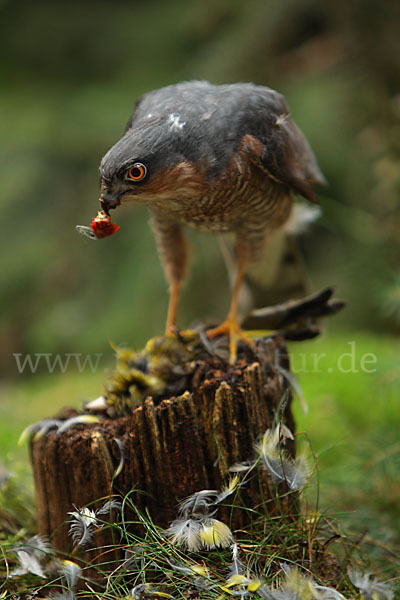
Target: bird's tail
[{"x": 280, "y": 273}]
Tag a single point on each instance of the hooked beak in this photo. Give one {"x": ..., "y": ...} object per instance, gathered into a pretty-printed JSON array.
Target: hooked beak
[{"x": 108, "y": 202}]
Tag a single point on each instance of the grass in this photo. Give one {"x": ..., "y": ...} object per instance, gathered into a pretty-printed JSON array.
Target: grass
[
  {"x": 143, "y": 561},
  {"x": 141, "y": 556},
  {"x": 352, "y": 424}
]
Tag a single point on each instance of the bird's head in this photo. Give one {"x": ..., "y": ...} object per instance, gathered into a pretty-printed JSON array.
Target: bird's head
[{"x": 151, "y": 163}]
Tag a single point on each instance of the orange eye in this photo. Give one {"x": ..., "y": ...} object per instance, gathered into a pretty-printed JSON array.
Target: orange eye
[{"x": 137, "y": 172}]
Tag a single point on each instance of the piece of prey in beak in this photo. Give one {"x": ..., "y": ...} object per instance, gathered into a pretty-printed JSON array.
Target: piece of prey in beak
[{"x": 100, "y": 227}]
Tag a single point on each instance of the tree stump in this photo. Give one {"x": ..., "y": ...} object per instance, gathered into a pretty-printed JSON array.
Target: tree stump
[{"x": 173, "y": 446}]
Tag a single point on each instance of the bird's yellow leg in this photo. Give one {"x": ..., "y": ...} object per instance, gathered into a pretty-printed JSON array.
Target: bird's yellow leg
[
  {"x": 231, "y": 326},
  {"x": 172, "y": 308}
]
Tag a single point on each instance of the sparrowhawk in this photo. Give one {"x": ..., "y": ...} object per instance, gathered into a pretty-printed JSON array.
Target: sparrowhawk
[{"x": 218, "y": 158}]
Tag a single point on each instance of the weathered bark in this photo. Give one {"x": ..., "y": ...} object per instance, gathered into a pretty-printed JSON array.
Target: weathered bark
[{"x": 172, "y": 449}]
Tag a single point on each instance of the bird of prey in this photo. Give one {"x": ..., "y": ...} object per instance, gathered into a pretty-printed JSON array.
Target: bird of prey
[{"x": 218, "y": 158}]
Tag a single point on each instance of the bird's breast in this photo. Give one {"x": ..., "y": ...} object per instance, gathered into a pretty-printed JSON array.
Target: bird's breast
[
  {"x": 241, "y": 197},
  {"x": 224, "y": 210}
]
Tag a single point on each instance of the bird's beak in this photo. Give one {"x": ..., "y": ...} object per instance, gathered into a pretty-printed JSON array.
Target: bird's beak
[{"x": 108, "y": 202}]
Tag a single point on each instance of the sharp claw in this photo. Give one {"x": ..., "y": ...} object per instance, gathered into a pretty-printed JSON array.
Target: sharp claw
[{"x": 231, "y": 328}]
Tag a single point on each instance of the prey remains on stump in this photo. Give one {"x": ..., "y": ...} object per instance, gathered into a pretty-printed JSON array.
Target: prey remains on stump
[{"x": 181, "y": 417}]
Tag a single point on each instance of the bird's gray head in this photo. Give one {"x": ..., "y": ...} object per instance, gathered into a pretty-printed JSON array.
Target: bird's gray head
[{"x": 150, "y": 163}]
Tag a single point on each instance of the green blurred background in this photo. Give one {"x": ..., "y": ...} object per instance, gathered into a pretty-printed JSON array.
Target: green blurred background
[{"x": 70, "y": 74}]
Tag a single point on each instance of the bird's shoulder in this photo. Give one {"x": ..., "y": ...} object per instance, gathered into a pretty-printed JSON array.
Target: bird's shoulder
[{"x": 280, "y": 149}]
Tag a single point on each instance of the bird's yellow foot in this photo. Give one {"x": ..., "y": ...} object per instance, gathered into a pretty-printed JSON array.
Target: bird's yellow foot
[{"x": 231, "y": 328}]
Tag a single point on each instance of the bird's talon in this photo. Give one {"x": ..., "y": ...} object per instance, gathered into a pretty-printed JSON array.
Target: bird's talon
[
  {"x": 174, "y": 331},
  {"x": 231, "y": 328},
  {"x": 179, "y": 336}
]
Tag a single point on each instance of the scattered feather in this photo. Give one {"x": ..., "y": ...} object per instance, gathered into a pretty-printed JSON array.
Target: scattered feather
[
  {"x": 199, "y": 570},
  {"x": 78, "y": 420},
  {"x": 45, "y": 426},
  {"x": 41, "y": 546},
  {"x": 39, "y": 429},
  {"x": 83, "y": 526},
  {"x": 108, "y": 507},
  {"x": 26, "y": 433},
  {"x": 194, "y": 569},
  {"x": 144, "y": 591},
  {"x": 254, "y": 585},
  {"x": 371, "y": 589},
  {"x": 30, "y": 555},
  {"x": 27, "y": 564},
  {"x": 86, "y": 231},
  {"x": 215, "y": 534},
  {"x": 237, "y": 580},
  {"x": 98, "y": 405},
  {"x": 245, "y": 586},
  {"x": 236, "y": 567},
  {"x": 294, "y": 384},
  {"x": 275, "y": 459},
  {"x": 295, "y": 586},
  {"x": 267, "y": 593},
  {"x": 300, "y": 472},
  {"x": 66, "y": 595},
  {"x": 327, "y": 593},
  {"x": 138, "y": 592},
  {"x": 72, "y": 572},
  {"x": 280, "y": 466},
  {"x": 243, "y": 466},
  {"x": 84, "y": 522},
  {"x": 285, "y": 432},
  {"x": 121, "y": 464},
  {"x": 201, "y": 503},
  {"x": 198, "y": 503},
  {"x": 230, "y": 488},
  {"x": 203, "y": 532},
  {"x": 185, "y": 532}
]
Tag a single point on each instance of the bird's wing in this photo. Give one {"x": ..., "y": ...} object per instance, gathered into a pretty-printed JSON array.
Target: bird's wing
[{"x": 286, "y": 155}]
